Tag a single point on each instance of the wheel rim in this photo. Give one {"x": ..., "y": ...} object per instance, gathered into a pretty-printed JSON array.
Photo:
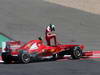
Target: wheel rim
[
  {"x": 77, "y": 53},
  {"x": 25, "y": 58}
]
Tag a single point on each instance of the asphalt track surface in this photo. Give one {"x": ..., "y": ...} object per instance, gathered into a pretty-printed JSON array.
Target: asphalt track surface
[
  {"x": 26, "y": 20},
  {"x": 77, "y": 67}
]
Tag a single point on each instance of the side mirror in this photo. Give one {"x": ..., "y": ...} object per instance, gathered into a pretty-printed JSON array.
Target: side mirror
[{"x": 40, "y": 38}]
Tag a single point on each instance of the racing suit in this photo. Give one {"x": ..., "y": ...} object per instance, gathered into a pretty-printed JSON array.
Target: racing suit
[{"x": 49, "y": 34}]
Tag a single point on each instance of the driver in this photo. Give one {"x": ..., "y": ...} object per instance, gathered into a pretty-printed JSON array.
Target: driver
[{"x": 49, "y": 34}]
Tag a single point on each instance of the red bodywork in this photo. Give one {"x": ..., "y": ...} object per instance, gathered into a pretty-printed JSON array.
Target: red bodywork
[
  {"x": 37, "y": 46},
  {"x": 36, "y": 49}
]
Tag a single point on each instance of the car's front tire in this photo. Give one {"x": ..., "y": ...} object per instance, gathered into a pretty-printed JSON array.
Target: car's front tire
[{"x": 76, "y": 52}]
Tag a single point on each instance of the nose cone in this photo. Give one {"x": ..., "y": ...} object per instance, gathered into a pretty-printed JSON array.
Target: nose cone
[{"x": 88, "y": 53}]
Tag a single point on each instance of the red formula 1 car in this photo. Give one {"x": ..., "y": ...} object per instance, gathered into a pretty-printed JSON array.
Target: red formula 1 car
[{"x": 35, "y": 49}]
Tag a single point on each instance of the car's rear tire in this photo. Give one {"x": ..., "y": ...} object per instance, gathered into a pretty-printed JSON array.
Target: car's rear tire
[
  {"x": 24, "y": 58},
  {"x": 76, "y": 52}
]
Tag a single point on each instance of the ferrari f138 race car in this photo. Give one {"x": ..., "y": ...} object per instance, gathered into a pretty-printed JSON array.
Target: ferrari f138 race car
[{"x": 37, "y": 50}]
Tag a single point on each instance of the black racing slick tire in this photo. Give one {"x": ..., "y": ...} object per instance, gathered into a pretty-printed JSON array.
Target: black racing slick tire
[
  {"x": 76, "y": 52},
  {"x": 24, "y": 58}
]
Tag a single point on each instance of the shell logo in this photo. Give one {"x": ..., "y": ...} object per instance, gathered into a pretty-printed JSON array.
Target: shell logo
[{"x": 52, "y": 50}]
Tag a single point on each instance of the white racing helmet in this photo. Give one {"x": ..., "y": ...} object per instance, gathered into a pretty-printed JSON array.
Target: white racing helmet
[{"x": 52, "y": 27}]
